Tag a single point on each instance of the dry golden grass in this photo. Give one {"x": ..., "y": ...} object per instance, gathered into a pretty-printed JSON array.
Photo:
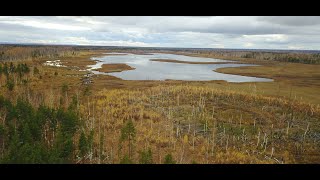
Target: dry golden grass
[
  {"x": 107, "y": 68},
  {"x": 301, "y": 81}
]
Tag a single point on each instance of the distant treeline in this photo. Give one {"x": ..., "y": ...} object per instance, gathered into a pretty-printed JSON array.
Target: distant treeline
[
  {"x": 286, "y": 57},
  {"x": 23, "y": 52},
  {"x": 294, "y": 57}
]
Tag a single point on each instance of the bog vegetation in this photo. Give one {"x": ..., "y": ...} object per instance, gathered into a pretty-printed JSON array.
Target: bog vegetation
[
  {"x": 184, "y": 124},
  {"x": 48, "y": 116}
]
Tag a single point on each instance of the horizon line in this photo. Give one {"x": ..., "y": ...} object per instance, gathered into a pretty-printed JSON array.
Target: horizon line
[{"x": 48, "y": 44}]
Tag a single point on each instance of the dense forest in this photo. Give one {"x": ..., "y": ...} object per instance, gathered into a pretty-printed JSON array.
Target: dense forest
[{"x": 37, "y": 134}]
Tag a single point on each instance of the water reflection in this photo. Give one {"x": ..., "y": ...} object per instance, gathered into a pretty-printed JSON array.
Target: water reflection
[{"x": 152, "y": 70}]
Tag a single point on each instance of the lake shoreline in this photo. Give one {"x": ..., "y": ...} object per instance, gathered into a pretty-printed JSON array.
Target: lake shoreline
[
  {"x": 281, "y": 72},
  {"x": 182, "y": 68},
  {"x": 190, "y": 62}
]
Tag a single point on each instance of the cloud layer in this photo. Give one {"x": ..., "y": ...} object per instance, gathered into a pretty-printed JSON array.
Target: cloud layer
[{"x": 183, "y": 31}]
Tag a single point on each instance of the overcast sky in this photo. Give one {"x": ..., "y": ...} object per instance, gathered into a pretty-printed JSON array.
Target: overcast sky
[{"x": 167, "y": 31}]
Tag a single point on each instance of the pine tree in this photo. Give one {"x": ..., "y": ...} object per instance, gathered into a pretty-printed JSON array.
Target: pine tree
[
  {"x": 83, "y": 144},
  {"x": 146, "y": 157},
  {"x": 1, "y": 69},
  {"x": 35, "y": 70},
  {"x": 6, "y": 69},
  {"x": 126, "y": 160},
  {"x": 64, "y": 147},
  {"x": 12, "y": 68},
  {"x": 169, "y": 160},
  {"x": 10, "y": 84},
  {"x": 128, "y": 133}
]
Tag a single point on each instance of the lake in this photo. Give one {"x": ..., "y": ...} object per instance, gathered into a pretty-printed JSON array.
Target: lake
[{"x": 153, "y": 70}]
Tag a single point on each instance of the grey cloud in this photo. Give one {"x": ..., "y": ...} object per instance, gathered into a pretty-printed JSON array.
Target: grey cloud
[
  {"x": 182, "y": 31},
  {"x": 292, "y": 20}
]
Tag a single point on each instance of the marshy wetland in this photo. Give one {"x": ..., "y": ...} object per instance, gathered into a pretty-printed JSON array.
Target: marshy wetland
[{"x": 189, "y": 108}]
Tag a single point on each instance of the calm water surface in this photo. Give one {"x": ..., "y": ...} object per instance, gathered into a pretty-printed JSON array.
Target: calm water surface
[{"x": 152, "y": 70}]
